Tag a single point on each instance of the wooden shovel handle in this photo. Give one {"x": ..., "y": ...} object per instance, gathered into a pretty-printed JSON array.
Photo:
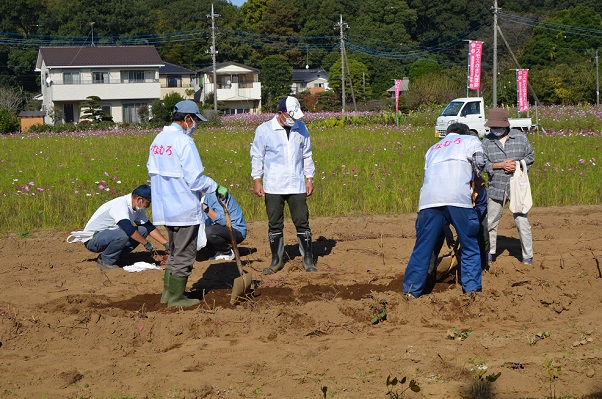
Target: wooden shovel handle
[{"x": 232, "y": 238}]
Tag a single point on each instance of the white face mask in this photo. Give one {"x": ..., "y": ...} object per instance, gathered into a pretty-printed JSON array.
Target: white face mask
[
  {"x": 498, "y": 131},
  {"x": 191, "y": 130},
  {"x": 289, "y": 122},
  {"x": 140, "y": 208}
]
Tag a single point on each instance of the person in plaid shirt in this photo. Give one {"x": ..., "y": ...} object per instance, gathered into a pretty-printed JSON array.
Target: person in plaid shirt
[{"x": 502, "y": 147}]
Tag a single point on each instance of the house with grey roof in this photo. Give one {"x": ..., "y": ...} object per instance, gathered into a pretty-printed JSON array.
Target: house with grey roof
[
  {"x": 312, "y": 80},
  {"x": 237, "y": 86},
  {"x": 404, "y": 87},
  {"x": 177, "y": 79},
  {"x": 125, "y": 78}
]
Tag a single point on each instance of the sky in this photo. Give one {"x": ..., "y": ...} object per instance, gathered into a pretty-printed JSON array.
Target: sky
[{"x": 238, "y": 2}]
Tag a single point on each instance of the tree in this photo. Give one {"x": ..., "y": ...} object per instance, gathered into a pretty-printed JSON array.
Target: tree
[
  {"x": 422, "y": 67},
  {"x": 433, "y": 88},
  {"x": 549, "y": 47},
  {"x": 11, "y": 99},
  {"x": 565, "y": 84},
  {"x": 356, "y": 73},
  {"x": 162, "y": 110},
  {"x": 8, "y": 121},
  {"x": 276, "y": 80},
  {"x": 93, "y": 111}
]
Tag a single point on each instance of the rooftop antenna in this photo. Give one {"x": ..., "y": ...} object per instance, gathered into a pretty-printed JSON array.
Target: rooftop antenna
[{"x": 92, "y": 26}]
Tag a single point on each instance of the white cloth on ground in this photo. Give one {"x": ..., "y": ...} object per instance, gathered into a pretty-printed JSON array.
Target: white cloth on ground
[{"x": 140, "y": 266}]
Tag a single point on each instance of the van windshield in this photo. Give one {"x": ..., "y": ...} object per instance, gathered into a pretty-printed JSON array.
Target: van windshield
[{"x": 452, "y": 108}]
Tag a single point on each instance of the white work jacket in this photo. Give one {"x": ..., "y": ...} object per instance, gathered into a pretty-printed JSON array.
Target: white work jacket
[
  {"x": 448, "y": 172},
  {"x": 282, "y": 162},
  {"x": 110, "y": 213},
  {"x": 177, "y": 179}
]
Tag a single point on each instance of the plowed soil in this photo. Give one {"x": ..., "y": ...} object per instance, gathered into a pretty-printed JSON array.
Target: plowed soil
[{"x": 70, "y": 330}]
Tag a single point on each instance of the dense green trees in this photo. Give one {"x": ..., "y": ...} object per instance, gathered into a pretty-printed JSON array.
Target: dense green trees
[
  {"x": 276, "y": 75},
  {"x": 385, "y": 39}
]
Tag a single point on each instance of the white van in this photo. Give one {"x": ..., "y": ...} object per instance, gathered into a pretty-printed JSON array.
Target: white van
[{"x": 471, "y": 111}]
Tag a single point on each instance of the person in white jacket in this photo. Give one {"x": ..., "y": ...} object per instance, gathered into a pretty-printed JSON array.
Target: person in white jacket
[
  {"x": 178, "y": 183},
  {"x": 281, "y": 156}
]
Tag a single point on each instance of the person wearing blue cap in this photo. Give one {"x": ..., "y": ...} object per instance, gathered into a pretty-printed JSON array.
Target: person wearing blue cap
[
  {"x": 176, "y": 174},
  {"x": 119, "y": 225},
  {"x": 281, "y": 155}
]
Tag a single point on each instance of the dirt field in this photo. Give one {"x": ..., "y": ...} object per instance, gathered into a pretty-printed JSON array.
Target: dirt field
[{"x": 70, "y": 330}]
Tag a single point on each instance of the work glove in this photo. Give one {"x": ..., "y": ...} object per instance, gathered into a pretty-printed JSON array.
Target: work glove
[
  {"x": 149, "y": 247},
  {"x": 222, "y": 193},
  {"x": 166, "y": 245}
]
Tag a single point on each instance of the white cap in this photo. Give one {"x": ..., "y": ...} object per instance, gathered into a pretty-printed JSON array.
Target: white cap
[{"x": 291, "y": 106}]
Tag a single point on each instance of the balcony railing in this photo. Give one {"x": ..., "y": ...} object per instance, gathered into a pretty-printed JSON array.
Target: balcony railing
[{"x": 95, "y": 82}]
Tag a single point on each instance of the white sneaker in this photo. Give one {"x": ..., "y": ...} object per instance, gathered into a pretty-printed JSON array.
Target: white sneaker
[{"x": 228, "y": 255}]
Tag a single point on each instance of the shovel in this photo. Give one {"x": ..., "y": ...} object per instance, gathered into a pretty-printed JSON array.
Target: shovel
[
  {"x": 242, "y": 286},
  {"x": 442, "y": 266}
]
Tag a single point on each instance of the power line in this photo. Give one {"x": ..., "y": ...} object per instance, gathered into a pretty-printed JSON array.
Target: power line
[
  {"x": 281, "y": 42},
  {"x": 551, "y": 26}
]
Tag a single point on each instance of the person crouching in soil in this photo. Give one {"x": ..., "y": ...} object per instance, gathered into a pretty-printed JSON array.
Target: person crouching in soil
[{"x": 119, "y": 225}]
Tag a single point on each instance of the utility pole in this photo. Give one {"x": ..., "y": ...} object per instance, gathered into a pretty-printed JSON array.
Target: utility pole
[
  {"x": 597, "y": 81},
  {"x": 494, "y": 90},
  {"x": 213, "y": 52},
  {"x": 92, "y": 26},
  {"x": 342, "y": 28}
]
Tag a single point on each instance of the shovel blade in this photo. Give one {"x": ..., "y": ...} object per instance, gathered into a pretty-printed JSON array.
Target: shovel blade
[{"x": 241, "y": 288}]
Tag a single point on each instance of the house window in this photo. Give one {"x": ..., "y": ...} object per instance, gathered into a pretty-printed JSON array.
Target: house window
[
  {"x": 106, "y": 109},
  {"x": 224, "y": 81},
  {"x": 236, "y": 111},
  {"x": 100, "y": 77},
  {"x": 130, "y": 112},
  {"x": 71, "y": 78},
  {"x": 246, "y": 81},
  {"x": 174, "y": 81},
  {"x": 132, "y": 76}
]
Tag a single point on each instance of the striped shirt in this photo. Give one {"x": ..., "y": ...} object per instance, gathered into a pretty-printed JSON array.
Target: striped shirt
[{"x": 516, "y": 148}]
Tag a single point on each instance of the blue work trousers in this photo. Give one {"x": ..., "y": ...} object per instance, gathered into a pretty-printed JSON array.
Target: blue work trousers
[
  {"x": 429, "y": 225},
  {"x": 112, "y": 243}
]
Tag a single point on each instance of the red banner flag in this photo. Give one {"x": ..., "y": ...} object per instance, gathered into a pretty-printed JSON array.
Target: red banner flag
[
  {"x": 474, "y": 65},
  {"x": 522, "y": 82},
  {"x": 397, "y": 88}
]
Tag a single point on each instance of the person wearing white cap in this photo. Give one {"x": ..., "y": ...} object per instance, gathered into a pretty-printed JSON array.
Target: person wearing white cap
[
  {"x": 283, "y": 171},
  {"x": 178, "y": 183}
]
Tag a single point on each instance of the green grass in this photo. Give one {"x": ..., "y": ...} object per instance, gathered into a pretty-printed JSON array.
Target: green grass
[{"x": 366, "y": 169}]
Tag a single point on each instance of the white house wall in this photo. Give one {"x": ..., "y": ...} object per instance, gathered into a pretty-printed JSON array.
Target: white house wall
[{"x": 115, "y": 93}]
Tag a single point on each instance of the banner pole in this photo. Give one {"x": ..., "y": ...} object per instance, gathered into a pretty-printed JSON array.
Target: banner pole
[{"x": 467, "y": 67}]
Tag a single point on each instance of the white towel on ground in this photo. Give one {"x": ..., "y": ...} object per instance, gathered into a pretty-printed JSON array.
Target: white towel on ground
[{"x": 140, "y": 266}]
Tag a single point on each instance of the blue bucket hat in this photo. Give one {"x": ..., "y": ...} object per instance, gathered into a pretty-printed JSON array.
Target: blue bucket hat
[
  {"x": 143, "y": 191},
  {"x": 189, "y": 107}
]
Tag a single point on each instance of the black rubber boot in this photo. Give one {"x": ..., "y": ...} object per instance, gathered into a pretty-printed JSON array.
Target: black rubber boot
[
  {"x": 177, "y": 286},
  {"x": 165, "y": 293},
  {"x": 306, "y": 253},
  {"x": 277, "y": 247}
]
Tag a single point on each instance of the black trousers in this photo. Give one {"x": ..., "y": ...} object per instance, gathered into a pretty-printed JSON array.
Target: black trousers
[
  {"x": 218, "y": 237},
  {"x": 297, "y": 204}
]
